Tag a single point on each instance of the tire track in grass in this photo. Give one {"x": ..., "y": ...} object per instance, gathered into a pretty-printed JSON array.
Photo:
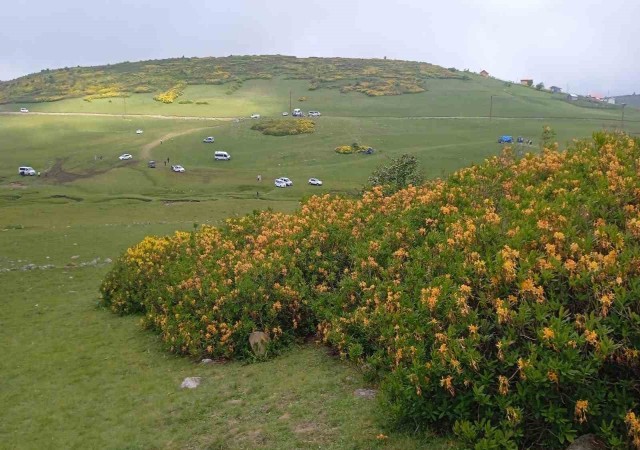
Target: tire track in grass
[{"x": 146, "y": 149}]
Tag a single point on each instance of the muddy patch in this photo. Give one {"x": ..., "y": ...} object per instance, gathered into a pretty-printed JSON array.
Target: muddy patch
[{"x": 57, "y": 174}]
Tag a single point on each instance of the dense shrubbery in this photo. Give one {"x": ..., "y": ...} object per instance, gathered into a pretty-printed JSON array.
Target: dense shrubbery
[
  {"x": 285, "y": 127},
  {"x": 353, "y": 148},
  {"x": 372, "y": 77},
  {"x": 172, "y": 94},
  {"x": 502, "y": 303}
]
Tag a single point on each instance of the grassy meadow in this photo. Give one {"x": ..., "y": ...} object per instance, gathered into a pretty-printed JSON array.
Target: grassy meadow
[{"x": 76, "y": 376}]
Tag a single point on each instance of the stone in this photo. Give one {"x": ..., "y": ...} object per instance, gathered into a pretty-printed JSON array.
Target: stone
[
  {"x": 190, "y": 383},
  {"x": 206, "y": 361},
  {"x": 365, "y": 393},
  {"x": 75, "y": 257},
  {"x": 108, "y": 261},
  {"x": 587, "y": 442},
  {"x": 258, "y": 341}
]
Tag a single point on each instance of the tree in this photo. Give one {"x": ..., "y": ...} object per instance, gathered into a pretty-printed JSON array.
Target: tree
[
  {"x": 547, "y": 140},
  {"x": 540, "y": 86},
  {"x": 398, "y": 174}
]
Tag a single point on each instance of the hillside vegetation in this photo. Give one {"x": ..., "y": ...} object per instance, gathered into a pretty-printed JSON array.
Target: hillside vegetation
[
  {"x": 168, "y": 78},
  {"x": 500, "y": 303}
]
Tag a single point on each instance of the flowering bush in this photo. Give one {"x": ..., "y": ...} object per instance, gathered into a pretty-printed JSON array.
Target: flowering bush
[
  {"x": 501, "y": 303},
  {"x": 170, "y": 95},
  {"x": 353, "y": 148},
  {"x": 285, "y": 127}
]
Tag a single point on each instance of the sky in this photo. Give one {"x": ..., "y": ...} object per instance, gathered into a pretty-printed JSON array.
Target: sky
[{"x": 583, "y": 46}]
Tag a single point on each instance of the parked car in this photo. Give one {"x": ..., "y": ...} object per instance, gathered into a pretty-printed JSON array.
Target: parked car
[
  {"x": 315, "y": 182},
  {"x": 280, "y": 183},
  {"x": 369, "y": 151},
  {"x": 221, "y": 156},
  {"x": 505, "y": 139},
  {"x": 208, "y": 140},
  {"x": 139, "y": 131},
  {"x": 314, "y": 114},
  {"x": 26, "y": 171},
  {"x": 177, "y": 168},
  {"x": 151, "y": 164},
  {"x": 297, "y": 112},
  {"x": 24, "y": 110},
  {"x": 285, "y": 113},
  {"x": 125, "y": 156},
  {"x": 287, "y": 181},
  {"x": 255, "y": 116}
]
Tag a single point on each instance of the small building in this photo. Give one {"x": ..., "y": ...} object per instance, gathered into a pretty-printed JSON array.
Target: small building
[
  {"x": 572, "y": 97},
  {"x": 526, "y": 82},
  {"x": 555, "y": 90},
  {"x": 610, "y": 100},
  {"x": 484, "y": 73}
]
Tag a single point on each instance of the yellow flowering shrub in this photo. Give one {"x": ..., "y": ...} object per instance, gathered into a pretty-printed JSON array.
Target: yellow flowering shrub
[
  {"x": 285, "y": 127},
  {"x": 171, "y": 94},
  {"x": 353, "y": 148},
  {"x": 457, "y": 294}
]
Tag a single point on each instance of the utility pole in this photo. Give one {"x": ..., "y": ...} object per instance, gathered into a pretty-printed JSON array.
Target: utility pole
[
  {"x": 623, "y": 105},
  {"x": 290, "y": 101},
  {"x": 124, "y": 100},
  {"x": 491, "y": 108}
]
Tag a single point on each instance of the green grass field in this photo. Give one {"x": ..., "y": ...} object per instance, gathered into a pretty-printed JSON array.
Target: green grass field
[{"x": 75, "y": 376}]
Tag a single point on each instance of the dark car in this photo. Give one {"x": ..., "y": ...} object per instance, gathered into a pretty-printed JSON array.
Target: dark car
[
  {"x": 151, "y": 164},
  {"x": 505, "y": 140}
]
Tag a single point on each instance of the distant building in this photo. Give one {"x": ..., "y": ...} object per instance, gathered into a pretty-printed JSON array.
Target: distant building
[
  {"x": 572, "y": 97},
  {"x": 484, "y": 73},
  {"x": 555, "y": 90},
  {"x": 526, "y": 82},
  {"x": 610, "y": 100},
  {"x": 596, "y": 97}
]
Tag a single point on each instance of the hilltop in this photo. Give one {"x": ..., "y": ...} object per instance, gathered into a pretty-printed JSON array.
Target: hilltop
[
  {"x": 632, "y": 100},
  {"x": 168, "y": 77}
]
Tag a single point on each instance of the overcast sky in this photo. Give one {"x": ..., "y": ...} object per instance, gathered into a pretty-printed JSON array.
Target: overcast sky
[{"x": 588, "y": 46}]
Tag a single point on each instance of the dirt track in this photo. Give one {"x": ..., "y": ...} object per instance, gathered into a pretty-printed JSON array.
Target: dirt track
[
  {"x": 149, "y": 116},
  {"x": 146, "y": 149}
]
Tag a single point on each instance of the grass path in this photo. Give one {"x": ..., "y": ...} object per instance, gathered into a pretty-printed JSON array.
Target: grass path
[{"x": 146, "y": 149}]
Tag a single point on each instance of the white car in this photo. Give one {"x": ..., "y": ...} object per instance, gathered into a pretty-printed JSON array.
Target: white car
[
  {"x": 255, "y": 116},
  {"x": 209, "y": 140},
  {"x": 139, "y": 131},
  {"x": 287, "y": 181},
  {"x": 125, "y": 156},
  {"x": 24, "y": 110},
  {"x": 285, "y": 113},
  {"x": 315, "y": 182},
  {"x": 314, "y": 114},
  {"x": 26, "y": 171},
  {"x": 177, "y": 168},
  {"x": 281, "y": 183}
]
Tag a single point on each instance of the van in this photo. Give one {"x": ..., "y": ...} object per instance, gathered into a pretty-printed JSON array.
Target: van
[
  {"x": 221, "y": 156},
  {"x": 26, "y": 171},
  {"x": 297, "y": 112}
]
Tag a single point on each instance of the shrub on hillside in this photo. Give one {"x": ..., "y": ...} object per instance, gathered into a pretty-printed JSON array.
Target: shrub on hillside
[
  {"x": 501, "y": 303},
  {"x": 400, "y": 173},
  {"x": 353, "y": 148},
  {"x": 285, "y": 127},
  {"x": 172, "y": 94}
]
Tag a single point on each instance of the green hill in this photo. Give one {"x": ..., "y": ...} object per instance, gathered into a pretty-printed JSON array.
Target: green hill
[{"x": 167, "y": 78}]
